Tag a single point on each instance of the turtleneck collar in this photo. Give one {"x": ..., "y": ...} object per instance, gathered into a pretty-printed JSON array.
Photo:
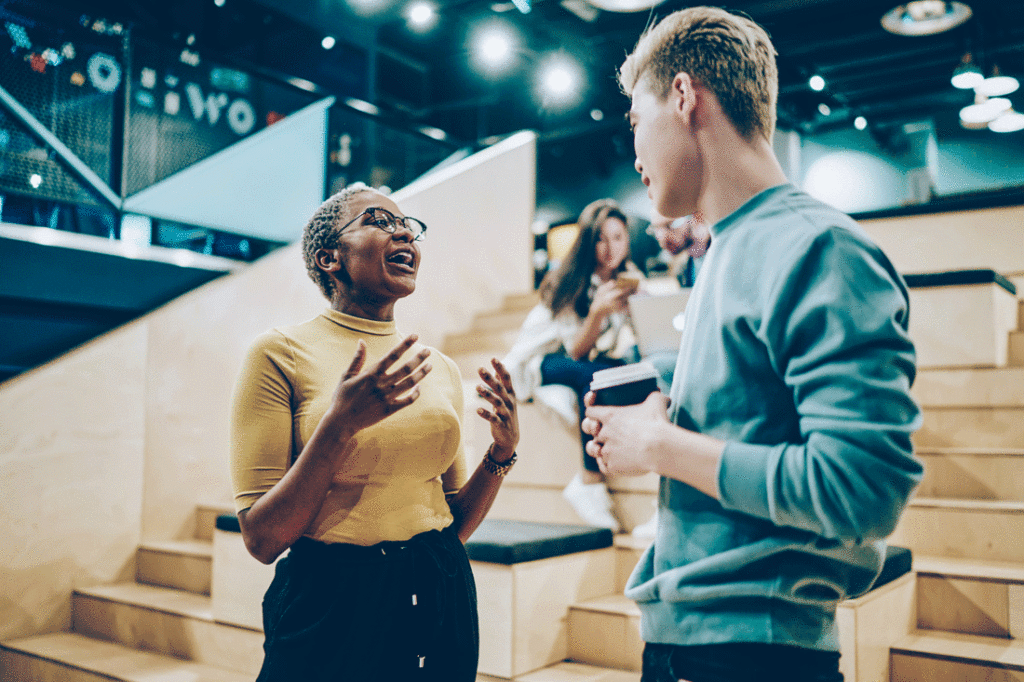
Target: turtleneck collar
[{"x": 359, "y": 324}]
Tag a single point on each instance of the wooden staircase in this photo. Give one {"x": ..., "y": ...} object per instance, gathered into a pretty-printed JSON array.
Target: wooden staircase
[{"x": 965, "y": 526}]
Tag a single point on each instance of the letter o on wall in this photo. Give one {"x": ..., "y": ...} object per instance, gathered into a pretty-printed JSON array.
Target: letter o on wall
[
  {"x": 104, "y": 72},
  {"x": 241, "y": 116}
]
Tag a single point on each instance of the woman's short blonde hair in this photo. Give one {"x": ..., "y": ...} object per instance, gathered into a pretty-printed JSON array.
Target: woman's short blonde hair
[
  {"x": 728, "y": 54},
  {"x": 321, "y": 232}
]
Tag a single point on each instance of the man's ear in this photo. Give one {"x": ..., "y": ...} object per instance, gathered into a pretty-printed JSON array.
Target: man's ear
[{"x": 684, "y": 94}]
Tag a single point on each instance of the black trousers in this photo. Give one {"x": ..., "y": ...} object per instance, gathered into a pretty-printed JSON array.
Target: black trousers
[
  {"x": 391, "y": 611},
  {"x": 738, "y": 662}
]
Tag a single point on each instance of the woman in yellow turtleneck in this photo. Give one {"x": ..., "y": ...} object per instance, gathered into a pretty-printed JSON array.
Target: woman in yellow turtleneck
[{"x": 347, "y": 450}]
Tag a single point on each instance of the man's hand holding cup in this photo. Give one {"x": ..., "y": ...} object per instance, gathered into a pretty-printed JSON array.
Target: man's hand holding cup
[{"x": 624, "y": 409}]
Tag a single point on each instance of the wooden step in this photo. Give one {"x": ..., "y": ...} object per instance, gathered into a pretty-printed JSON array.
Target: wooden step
[
  {"x": 180, "y": 564},
  {"x": 499, "y": 320},
  {"x": 497, "y": 342},
  {"x": 978, "y": 387},
  {"x": 165, "y": 621},
  {"x": 71, "y": 657},
  {"x": 962, "y": 529},
  {"x": 970, "y": 596},
  {"x": 973, "y": 473},
  {"x": 574, "y": 672},
  {"x": 206, "y": 518},
  {"x": 520, "y": 302},
  {"x": 545, "y": 503},
  {"x": 924, "y": 656},
  {"x": 1015, "y": 353},
  {"x": 606, "y": 632},
  {"x": 628, "y": 552},
  {"x": 993, "y": 387},
  {"x": 956, "y": 427}
]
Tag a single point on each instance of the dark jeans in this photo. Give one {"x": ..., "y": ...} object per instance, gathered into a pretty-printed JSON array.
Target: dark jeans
[
  {"x": 738, "y": 662},
  {"x": 559, "y": 368},
  {"x": 392, "y": 611}
]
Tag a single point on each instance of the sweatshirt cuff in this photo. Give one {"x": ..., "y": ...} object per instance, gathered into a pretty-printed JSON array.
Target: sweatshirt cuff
[{"x": 742, "y": 478}]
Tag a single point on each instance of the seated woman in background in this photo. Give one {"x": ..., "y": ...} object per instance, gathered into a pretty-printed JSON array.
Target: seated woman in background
[
  {"x": 575, "y": 331},
  {"x": 346, "y": 450}
]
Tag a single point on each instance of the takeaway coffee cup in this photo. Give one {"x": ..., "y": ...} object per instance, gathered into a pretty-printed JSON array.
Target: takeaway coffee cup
[{"x": 626, "y": 385}]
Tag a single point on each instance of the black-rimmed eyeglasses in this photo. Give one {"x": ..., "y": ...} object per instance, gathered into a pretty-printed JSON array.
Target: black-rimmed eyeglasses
[{"x": 390, "y": 223}]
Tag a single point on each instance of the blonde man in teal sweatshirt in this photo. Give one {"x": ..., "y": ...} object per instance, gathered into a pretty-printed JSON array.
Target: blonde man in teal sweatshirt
[{"x": 786, "y": 458}]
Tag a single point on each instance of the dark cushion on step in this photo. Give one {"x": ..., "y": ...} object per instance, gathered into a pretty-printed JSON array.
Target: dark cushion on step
[
  {"x": 897, "y": 562},
  {"x": 954, "y": 277},
  {"x": 228, "y": 522},
  {"x": 499, "y": 541}
]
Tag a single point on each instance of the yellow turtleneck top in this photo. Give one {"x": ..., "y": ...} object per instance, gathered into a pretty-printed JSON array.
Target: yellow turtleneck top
[{"x": 393, "y": 484}]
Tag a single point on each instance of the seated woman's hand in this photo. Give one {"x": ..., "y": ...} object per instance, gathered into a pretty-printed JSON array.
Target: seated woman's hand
[
  {"x": 609, "y": 297},
  {"x": 365, "y": 398},
  {"x": 503, "y": 416}
]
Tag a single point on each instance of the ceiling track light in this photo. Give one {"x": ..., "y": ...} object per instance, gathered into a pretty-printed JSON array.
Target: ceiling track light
[
  {"x": 925, "y": 17},
  {"x": 1009, "y": 121},
  {"x": 967, "y": 75},
  {"x": 997, "y": 84},
  {"x": 984, "y": 110}
]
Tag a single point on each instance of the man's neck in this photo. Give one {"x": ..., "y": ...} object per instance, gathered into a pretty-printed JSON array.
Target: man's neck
[{"x": 736, "y": 170}]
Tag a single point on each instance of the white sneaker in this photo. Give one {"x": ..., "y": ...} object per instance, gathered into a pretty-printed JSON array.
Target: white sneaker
[
  {"x": 649, "y": 528},
  {"x": 592, "y": 503}
]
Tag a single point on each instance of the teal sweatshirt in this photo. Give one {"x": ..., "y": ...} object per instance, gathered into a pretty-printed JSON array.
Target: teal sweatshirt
[{"x": 794, "y": 352}]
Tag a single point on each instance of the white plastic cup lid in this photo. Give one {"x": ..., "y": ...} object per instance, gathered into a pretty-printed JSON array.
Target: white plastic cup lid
[{"x": 626, "y": 374}]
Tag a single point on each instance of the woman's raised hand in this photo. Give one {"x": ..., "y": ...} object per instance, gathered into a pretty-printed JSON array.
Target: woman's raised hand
[
  {"x": 609, "y": 297},
  {"x": 503, "y": 416},
  {"x": 364, "y": 398}
]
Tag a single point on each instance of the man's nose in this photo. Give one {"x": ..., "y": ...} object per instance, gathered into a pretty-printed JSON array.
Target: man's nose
[{"x": 639, "y": 168}]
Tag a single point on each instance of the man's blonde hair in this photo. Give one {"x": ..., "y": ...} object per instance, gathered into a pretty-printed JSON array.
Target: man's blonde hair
[{"x": 728, "y": 54}]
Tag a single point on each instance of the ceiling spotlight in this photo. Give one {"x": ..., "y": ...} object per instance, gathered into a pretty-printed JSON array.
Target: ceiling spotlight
[
  {"x": 967, "y": 75},
  {"x": 925, "y": 17},
  {"x": 35, "y": 180},
  {"x": 422, "y": 15},
  {"x": 597, "y": 114},
  {"x": 1009, "y": 121},
  {"x": 825, "y": 109},
  {"x": 559, "y": 81},
  {"x": 328, "y": 42},
  {"x": 983, "y": 111},
  {"x": 494, "y": 48},
  {"x": 817, "y": 83},
  {"x": 625, "y": 5},
  {"x": 997, "y": 84},
  {"x": 219, "y": 3},
  {"x": 860, "y": 123}
]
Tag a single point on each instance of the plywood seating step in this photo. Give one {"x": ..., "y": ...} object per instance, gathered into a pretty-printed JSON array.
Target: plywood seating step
[
  {"x": 606, "y": 632},
  {"x": 983, "y": 302},
  {"x": 527, "y": 574},
  {"x": 926, "y": 656},
  {"x": 983, "y": 426},
  {"x": 72, "y": 657},
  {"x": 970, "y": 596},
  {"x": 165, "y": 621},
  {"x": 578, "y": 672},
  {"x": 986, "y": 387},
  {"x": 182, "y": 564},
  {"x": 972, "y": 473},
  {"x": 963, "y": 528}
]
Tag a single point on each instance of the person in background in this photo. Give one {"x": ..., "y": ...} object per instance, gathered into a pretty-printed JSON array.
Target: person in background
[
  {"x": 684, "y": 243},
  {"x": 786, "y": 459},
  {"x": 346, "y": 452},
  {"x": 578, "y": 329}
]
